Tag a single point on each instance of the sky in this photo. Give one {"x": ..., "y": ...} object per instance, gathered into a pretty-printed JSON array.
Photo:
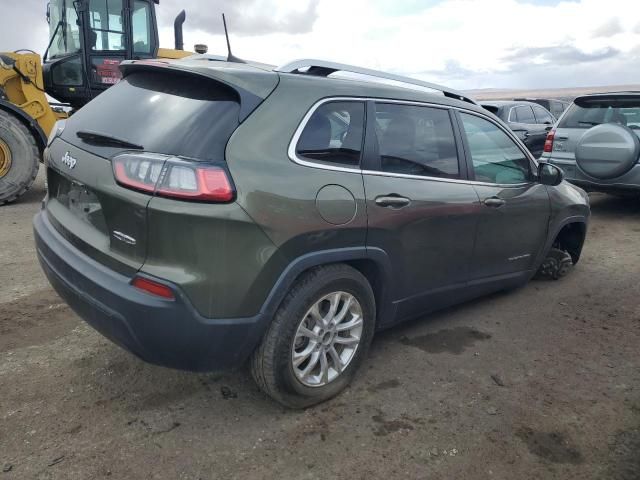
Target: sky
[{"x": 465, "y": 44}]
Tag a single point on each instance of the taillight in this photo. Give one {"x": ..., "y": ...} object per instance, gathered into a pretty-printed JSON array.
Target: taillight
[
  {"x": 173, "y": 177},
  {"x": 154, "y": 288},
  {"x": 548, "y": 143}
]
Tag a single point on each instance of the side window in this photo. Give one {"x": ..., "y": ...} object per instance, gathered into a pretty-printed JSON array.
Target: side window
[
  {"x": 107, "y": 27},
  {"x": 523, "y": 114},
  {"x": 542, "y": 116},
  {"x": 334, "y": 134},
  {"x": 416, "y": 141},
  {"x": 141, "y": 24},
  {"x": 496, "y": 158}
]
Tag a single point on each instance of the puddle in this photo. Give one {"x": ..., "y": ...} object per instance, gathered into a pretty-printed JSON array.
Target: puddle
[{"x": 454, "y": 340}]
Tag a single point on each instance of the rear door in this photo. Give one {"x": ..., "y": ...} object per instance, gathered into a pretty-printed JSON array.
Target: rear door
[
  {"x": 513, "y": 220},
  {"x": 419, "y": 210},
  {"x": 529, "y": 130},
  {"x": 543, "y": 117},
  {"x": 151, "y": 116}
]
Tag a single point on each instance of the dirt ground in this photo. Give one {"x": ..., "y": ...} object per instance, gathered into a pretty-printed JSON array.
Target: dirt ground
[{"x": 540, "y": 383}]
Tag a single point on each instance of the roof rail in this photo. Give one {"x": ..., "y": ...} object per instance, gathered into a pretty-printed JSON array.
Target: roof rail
[{"x": 323, "y": 68}]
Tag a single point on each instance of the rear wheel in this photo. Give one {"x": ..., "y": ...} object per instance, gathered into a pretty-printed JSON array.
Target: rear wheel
[
  {"x": 318, "y": 338},
  {"x": 19, "y": 158}
]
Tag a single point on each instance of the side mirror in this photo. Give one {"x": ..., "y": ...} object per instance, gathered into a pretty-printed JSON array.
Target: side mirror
[{"x": 550, "y": 174}]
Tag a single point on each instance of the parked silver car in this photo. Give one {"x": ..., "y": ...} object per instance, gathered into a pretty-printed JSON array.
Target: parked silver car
[{"x": 597, "y": 142}]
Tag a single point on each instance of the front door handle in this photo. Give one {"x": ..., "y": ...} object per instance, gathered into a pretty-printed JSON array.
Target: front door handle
[
  {"x": 392, "y": 201},
  {"x": 494, "y": 202}
]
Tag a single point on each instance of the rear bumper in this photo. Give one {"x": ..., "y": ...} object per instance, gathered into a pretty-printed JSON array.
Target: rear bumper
[
  {"x": 165, "y": 332},
  {"x": 629, "y": 182}
]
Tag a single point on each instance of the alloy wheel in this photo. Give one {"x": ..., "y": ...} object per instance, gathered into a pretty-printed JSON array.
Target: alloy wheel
[{"x": 326, "y": 339}]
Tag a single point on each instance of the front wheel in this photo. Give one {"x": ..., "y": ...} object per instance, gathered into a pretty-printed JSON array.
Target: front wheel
[
  {"x": 557, "y": 264},
  {"x": 19, "y": 158},
  {"x": 318, "y": 338}
]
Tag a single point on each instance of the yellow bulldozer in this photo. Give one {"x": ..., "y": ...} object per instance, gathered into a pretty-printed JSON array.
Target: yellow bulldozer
[{"x": 87, "y": 41}]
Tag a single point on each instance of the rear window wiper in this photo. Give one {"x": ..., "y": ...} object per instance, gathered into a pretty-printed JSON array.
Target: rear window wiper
[{"x": 106, "y": 140}]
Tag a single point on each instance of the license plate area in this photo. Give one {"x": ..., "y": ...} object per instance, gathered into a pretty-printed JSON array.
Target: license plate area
[{"x": 80, "y": 200}]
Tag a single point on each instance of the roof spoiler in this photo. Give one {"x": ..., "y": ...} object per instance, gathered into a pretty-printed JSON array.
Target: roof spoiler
[
  {"x": 614, "y": 99},
  {"x": 249, "y": 100}
]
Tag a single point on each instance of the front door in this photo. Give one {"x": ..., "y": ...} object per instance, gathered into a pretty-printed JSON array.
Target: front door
[
  {"x": 513, "y": 221},
  {"x": 419, "y": 211}
]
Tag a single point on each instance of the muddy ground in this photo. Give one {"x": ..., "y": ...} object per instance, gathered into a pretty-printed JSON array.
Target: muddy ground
[{"x": 543, "y": 382}]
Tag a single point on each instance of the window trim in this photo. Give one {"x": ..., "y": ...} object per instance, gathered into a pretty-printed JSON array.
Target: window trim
[{"x": 323, "y": 166}]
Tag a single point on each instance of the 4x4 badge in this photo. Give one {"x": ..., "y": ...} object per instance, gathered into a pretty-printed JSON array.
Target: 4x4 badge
[{"x": 68, "y": 160}]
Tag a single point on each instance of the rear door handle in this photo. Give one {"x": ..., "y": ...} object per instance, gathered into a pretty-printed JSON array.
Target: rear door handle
[
  {"x": 494, "y": 202},
  {"x": 392, "y": 201}
]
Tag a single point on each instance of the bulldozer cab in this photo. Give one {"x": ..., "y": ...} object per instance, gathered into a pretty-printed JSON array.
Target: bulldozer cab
[{"x": 88, "y": 39}]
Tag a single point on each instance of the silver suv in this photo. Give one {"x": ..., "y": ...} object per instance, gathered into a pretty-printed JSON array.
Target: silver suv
[{"x": 596, "y": 142}]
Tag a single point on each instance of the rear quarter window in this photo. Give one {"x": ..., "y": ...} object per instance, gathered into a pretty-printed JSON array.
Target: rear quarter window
[{"x": 333, "y": 134}]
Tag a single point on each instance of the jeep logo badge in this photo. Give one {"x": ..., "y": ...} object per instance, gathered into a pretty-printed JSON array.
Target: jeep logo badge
[{"x": 69, "y": 161}]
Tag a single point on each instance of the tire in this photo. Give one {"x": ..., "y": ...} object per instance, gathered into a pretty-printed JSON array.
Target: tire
[
  {"x": 272, "y": 364},
  {"x": 607, "y": 151},
  {"x": 557, "y": 265},
  {"x": 19, "y": 158}
]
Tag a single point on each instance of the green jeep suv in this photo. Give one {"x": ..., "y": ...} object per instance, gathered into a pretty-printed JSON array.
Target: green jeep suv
[{"x": 202, "y": 214}]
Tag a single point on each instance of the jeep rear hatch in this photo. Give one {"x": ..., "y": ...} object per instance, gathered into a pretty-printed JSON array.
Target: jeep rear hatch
[{"x": 160, "y": 131}]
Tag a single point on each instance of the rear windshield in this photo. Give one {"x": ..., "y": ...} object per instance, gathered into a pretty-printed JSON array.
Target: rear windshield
[
  {"x": 594, "y": 112},
  {"x": 170, "y": 113}
]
